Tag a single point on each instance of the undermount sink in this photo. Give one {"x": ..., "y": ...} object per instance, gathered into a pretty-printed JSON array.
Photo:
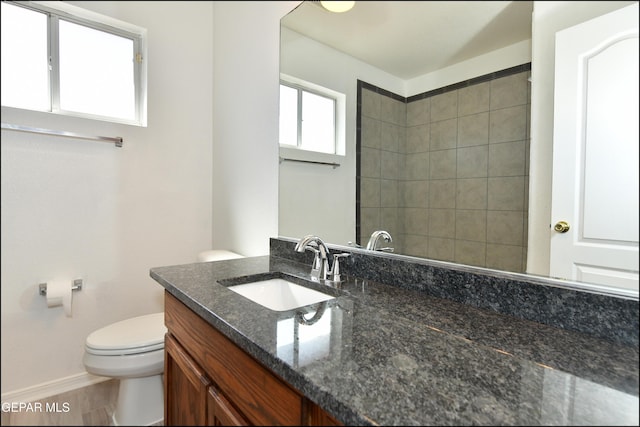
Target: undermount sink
[{"x": 279, "y": 294}]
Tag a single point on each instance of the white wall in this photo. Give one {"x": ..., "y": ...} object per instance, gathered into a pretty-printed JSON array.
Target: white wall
[
  {"x": 549, "y": 17},
  {"x": 74, "y": 208},
  {"x": 320, "y": 199},
  {"x": 245, "y": 124}
]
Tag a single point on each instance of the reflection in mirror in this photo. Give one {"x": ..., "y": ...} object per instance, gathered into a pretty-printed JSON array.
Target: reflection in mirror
[
  {"x": 313, "y": 333},
  {"x": 445, "y": 171},
  {"x": 441, "y": 168},
  {"x": 437, "y": 143}
]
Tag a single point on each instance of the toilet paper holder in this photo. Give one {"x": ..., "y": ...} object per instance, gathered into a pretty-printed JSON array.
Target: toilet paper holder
[{"x": 76, "y": 286}]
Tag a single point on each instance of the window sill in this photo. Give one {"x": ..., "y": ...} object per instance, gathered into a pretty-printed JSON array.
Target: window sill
[{"x": 305, "y": 156}]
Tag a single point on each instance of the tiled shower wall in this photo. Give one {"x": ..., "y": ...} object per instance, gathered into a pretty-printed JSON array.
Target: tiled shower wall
[{"x": 446, "y": 172}]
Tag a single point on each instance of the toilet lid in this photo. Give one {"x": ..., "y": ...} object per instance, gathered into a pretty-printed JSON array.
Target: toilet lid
[{"x": 135, "y": 335}]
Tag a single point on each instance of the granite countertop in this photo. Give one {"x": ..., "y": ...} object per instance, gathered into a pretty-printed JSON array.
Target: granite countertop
[{"x": 383, "y": 355}]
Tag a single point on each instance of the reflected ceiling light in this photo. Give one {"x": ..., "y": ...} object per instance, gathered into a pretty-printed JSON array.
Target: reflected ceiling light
[{"x": 337, "y": 6}]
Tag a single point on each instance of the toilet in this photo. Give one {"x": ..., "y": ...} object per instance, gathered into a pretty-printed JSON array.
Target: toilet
[{"x": 132, "y": 351}]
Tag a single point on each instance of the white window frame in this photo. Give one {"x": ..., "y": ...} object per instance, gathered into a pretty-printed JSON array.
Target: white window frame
[
  {"x": 291, "y": 152},
  {"x": 57, "y": 10}
]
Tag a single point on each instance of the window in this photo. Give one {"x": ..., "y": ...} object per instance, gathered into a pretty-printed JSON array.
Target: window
[
  {"x": 308, "y": 118},
  {"x": 72, "y": 62}
]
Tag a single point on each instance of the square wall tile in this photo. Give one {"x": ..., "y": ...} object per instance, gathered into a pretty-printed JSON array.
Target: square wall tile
[
  {"x": 442, "y": 223},
  {"x": 471, "y": 193},
  {"x": 507, "y": 159},
  {"x": 506, "y": 193},
  {"x": 505, "y": 227},
  {"x": 472, "y": 162},
  {"x": 505, "y": 257},
  {"x": 508, "y": 124},
  {"x": 470, "y": 253},
  {"x": 442, "y": 164},
  {"x": 419, "y": 112},
  {"x": 441, "y": 249},
  {"x": 416, "y": 220},
  {"x": 444, "y": 135},
  {"x": 442, "y": 193},
  {"x": 417, "y": 139},
  {"x": 444, "y": 106},
  {"x": 471, "y": 225},
  {"x": 416, "y": 166},
  {"x": 474, "y": 99},
  {"x": 415, "y": 245},
  {"x": 415, "y": 194},
  {"x": 473, "y": 130}
]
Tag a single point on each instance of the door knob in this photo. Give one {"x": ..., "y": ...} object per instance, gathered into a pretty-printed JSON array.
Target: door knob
[{"x": 561, "y": 227}]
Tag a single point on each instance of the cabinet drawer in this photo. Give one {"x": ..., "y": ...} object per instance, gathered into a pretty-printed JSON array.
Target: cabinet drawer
[{"x": 259, "y": 395}]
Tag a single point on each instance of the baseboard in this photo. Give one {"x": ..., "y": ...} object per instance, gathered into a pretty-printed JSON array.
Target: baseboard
[{"x": 51, "y": 388}]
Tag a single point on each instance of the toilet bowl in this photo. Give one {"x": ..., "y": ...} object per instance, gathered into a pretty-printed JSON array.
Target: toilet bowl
[{"x": 132, "y": 351}]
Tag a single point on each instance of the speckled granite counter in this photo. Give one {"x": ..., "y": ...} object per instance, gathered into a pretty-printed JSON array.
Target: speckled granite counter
[{"x": 385, "y": 355}]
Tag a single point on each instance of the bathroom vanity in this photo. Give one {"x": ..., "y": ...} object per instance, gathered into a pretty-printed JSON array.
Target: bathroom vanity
[
  {"x": 389, "y": 350},
  {"x": 211, "y": 381}
]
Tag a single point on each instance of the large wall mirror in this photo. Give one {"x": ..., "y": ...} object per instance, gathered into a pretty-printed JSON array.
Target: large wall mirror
[{"x": 438, "y": 104}]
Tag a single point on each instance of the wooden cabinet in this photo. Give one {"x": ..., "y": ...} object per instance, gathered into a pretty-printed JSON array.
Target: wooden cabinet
[
  {"x": 210, "y": 380},
  {"x": 220, "y": 412},
  {"x": 185, "y": 387}
]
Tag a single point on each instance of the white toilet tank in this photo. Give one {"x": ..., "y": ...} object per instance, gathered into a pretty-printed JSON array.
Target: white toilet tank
[{"x": 217, "y": 255}]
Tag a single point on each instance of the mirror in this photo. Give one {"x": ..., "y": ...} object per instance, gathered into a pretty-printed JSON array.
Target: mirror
[{"x": 465, "y": 203}]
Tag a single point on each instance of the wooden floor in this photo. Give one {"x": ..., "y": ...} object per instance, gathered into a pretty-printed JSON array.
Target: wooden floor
[{"x": 88, "y": 406}]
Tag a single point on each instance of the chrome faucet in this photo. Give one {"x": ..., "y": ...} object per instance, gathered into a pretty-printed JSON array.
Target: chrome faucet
[
  {"x": 375, "y": 236},
  {"x": 320, "y": 267}
]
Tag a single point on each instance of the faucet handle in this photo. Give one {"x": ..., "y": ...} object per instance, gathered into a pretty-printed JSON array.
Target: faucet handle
[
  {"x": 316, "y": 267},
  {"x": 335, "y": 269}
]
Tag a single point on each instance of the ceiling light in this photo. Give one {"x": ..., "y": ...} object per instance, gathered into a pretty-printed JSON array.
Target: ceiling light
[{"x": 337, "y": 6}]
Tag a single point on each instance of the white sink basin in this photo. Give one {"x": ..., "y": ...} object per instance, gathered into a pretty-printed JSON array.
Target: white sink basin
[{"x": 279, "y": 294}]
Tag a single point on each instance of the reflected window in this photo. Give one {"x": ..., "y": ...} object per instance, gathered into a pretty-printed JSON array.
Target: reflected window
[{"x": 307, "y": 118}]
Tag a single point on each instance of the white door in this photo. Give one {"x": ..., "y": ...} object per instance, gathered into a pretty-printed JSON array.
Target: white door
[{"x": 595, "y": 152}]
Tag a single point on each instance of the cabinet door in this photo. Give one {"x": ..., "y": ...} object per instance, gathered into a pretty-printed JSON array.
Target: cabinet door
[
  {"x": 316, "y": 416},
  {"x": 221, "y": 413},
  {"x": 185, "y": 387}
]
